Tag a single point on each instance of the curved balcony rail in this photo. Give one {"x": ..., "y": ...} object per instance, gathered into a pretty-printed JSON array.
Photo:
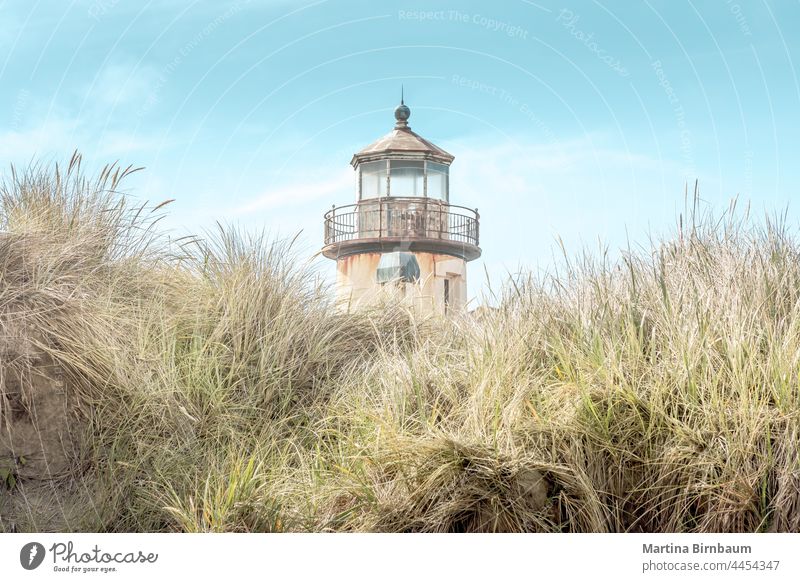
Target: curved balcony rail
[{"x": 402, "y": 218}]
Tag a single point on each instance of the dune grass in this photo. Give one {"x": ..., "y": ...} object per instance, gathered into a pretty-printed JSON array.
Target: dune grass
[{"x": 217, "y": 388}]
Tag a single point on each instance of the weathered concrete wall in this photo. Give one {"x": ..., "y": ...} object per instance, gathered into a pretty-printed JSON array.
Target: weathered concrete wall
[{"x": 356, "y": 283}]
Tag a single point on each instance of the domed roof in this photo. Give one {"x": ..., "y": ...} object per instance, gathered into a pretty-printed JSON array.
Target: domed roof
[{"x": 401, "y": 140}]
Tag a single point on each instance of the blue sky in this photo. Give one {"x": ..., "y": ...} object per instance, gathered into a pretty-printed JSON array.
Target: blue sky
[{"x": 582, "y": 120}]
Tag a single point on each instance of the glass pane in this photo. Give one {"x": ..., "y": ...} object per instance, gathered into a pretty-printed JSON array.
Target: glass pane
[
  {"x": 373, "y": 179},
  {"x": 437, "y": 180},
  {"x": 397, "y": 266},
  {"x": 406, "y": 178}
]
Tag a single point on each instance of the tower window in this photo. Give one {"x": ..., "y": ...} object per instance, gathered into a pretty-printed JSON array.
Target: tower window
[
  {"x": 446, "y": 294},
  {"x": 397, "y": 266}
]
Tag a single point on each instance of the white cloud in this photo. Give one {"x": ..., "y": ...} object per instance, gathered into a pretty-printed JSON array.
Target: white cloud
[
  {"x": 54, "y": 136},
  {"x": 120, "y": 142},
  {"x": 338, "y": 187},
  {"x": 121, "y": 83},
  {"x": 100, "y": 129},
  {"x": 58, "y": 136}
]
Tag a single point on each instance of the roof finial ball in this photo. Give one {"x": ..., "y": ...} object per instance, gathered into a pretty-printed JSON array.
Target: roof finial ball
[{"x": 402, "y": 112}]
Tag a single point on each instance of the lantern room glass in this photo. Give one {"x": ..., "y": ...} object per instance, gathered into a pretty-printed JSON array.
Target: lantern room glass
[
  {"x": 406, "y": 178},
  {"x": 373, "y": 179},
  {"x": 403, "y": 179},
  {"x": 437, "y": 176}
]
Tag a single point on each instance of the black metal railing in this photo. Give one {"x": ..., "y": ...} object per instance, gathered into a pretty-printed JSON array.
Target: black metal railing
[{"x": 422, "y": 218}]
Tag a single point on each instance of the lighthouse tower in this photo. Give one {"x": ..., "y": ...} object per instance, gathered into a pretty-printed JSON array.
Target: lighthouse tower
[{"x": 402, "y": 236}]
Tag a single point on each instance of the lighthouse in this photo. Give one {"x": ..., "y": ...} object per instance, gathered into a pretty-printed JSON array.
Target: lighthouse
[{"x": 402, "y": 238}]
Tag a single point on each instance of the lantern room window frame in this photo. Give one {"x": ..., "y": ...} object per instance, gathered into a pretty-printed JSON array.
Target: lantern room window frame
[{"x": 429, "y": 167}]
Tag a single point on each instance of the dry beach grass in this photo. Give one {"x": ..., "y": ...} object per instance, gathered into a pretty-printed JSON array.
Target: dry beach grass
[{"x": 207, "y": 384}]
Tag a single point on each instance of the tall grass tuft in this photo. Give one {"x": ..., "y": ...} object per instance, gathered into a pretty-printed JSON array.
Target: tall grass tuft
[{"x": 215, "y": 387}]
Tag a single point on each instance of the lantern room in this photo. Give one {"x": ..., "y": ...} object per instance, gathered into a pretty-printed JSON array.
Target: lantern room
[{"x": 402, "y": 165}]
